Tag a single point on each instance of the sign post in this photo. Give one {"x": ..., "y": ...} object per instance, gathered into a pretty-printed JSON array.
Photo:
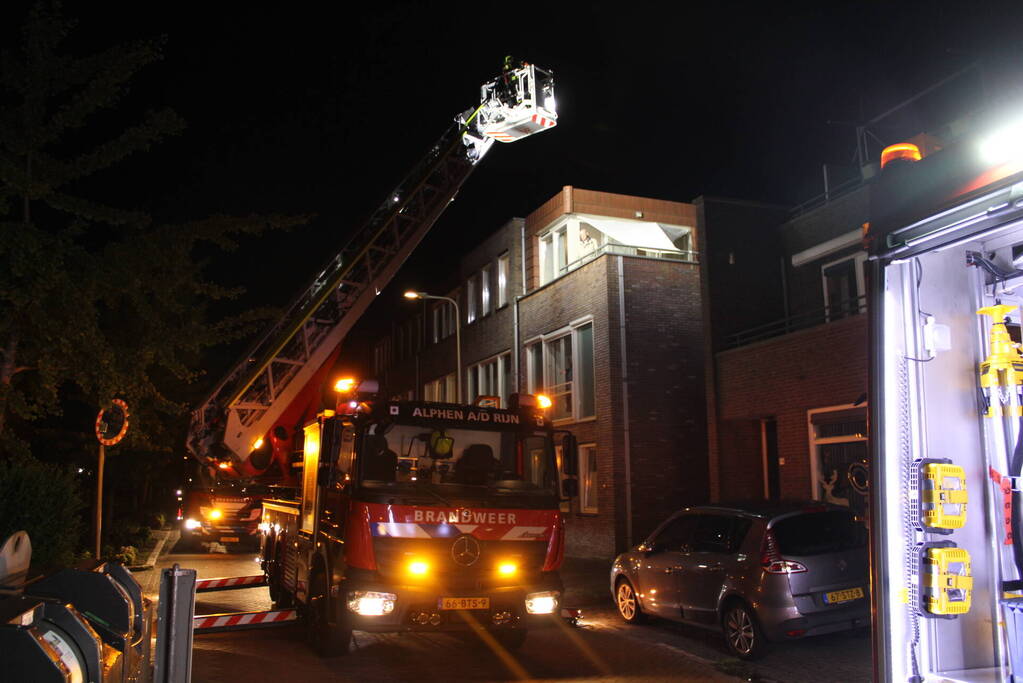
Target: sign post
[{"x": 111, "y": 426}]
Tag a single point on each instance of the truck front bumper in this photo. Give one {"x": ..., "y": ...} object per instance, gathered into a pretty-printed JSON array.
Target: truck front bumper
[{"x": 421, "y": 608}]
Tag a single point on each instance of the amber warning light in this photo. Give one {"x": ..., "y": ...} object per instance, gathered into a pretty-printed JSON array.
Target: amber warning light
[
  {"x": 344, "y": 385},
  {"x": 903, "y": 151}
]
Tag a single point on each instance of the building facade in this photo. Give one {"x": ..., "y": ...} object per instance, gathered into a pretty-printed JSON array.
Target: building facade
[
  {"x": 593, "y": 299},
  {"x": 786, "y": 395}
]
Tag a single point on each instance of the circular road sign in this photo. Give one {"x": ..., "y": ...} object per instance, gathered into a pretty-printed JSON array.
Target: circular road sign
[{"x": 112, "y": 424}]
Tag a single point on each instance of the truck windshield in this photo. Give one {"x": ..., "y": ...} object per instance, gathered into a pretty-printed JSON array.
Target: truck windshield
[{"x": 471, "y": 462}]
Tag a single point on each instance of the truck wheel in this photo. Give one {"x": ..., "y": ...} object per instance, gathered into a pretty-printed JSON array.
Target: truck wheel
[
  {"x": 278, "y": 595},
  {"x": 326, "y": 639}
]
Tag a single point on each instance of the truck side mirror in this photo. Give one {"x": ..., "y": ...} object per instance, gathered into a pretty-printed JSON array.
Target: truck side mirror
[
  {"x": 570, "y": 455},
  {"x": 570, "y": 488}
]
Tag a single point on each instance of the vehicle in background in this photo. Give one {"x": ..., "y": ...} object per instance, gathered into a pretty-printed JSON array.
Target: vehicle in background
[
  {"x": 227, "y": 514},
  {"x": 761, "y": 572}
]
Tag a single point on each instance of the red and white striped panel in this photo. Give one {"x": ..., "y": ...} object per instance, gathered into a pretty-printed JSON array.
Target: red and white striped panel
[
  {"x": 208, "y": 622},
  {"x": 543, "y": 120},
  {"x": 229, "y": 582}
]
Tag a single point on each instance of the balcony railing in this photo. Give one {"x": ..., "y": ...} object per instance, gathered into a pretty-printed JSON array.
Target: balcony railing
[
  {"x": 685, "y": 256},
  {"x": 794, "y": 323}
]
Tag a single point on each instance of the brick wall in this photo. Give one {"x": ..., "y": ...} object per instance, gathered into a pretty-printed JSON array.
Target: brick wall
[
  {"x": 667, "y": 415},
  {"x": 784, "y": 378},
  {"x": 581, "y": 293}
]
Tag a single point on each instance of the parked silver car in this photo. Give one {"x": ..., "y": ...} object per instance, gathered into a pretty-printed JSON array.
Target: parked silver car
[{"x": 762, "y": 572}]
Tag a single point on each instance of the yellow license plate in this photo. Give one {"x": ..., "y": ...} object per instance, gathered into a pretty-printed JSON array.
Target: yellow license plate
[
  {"x": 229, "y": 539},
  {"x": 464, "y": 603},
  {"x": 848, "y": 594}
]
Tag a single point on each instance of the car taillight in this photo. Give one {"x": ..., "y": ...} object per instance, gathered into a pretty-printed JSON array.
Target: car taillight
[{"x": 772, "y": 561}]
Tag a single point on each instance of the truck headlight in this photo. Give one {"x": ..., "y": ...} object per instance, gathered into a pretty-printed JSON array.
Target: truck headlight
[
  {"x": 192, "y": 524},
  {"x": 371, "y": 603},
  {"x": 542, "y": 603}
]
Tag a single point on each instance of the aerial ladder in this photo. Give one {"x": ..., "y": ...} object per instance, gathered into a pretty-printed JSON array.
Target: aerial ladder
[{"x": 245, "y": 425}]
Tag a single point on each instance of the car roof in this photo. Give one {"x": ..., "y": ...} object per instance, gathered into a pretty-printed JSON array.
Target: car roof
[{"x": 768, "y": 509}]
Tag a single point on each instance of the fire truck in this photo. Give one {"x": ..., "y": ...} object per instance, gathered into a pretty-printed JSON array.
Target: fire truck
[
  {"x": 946, "y": 289},
  {"x": 417, "y": 516},
  {"x": 225, "y": 514}
]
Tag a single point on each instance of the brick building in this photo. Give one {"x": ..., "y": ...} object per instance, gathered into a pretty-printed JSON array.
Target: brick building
[
  {"x": 787, "y": 358},
  {"x": 593, "y": 299}
]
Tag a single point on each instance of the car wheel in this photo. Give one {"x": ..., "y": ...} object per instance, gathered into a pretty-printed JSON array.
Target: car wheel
[
  {"x": 743, "y": 634},
  {"x": 326, "y": 639},
  {"x": 627, "y": 602}
]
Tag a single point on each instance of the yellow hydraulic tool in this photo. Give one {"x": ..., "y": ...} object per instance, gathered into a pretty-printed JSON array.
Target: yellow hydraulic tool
[{"x": 1002, "y": 372}]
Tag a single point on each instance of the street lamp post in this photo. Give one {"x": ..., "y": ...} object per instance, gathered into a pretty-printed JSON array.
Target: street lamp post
[{"x": 458, "y": 333}]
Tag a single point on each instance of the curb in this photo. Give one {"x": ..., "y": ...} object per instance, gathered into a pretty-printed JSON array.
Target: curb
[{"x": 154, "y": 554}]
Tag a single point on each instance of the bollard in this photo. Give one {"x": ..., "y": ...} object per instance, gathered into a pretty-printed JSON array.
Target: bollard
[{"x": 174, "y": 626}]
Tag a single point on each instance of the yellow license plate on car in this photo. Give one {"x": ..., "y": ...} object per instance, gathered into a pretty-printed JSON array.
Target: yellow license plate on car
[
  {"x": 228, "y": 539},
  {"x": 465, "y": 603},
  {"x": 848, "y": 594}
]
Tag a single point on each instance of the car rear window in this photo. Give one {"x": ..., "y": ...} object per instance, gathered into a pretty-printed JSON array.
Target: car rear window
[{"x": 816, "y": 533}]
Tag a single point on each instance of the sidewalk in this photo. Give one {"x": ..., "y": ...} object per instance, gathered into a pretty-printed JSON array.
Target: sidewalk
[{"x": 161, "y": 541}]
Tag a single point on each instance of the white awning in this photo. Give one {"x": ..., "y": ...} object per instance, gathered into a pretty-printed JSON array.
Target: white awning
[{"x": 642, "y": 234}]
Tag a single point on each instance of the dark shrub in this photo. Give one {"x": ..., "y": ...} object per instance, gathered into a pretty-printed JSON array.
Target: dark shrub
[{"x": 46, "y": 501}]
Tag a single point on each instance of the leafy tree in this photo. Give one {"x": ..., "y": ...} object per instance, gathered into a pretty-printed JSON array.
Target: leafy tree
[{"x": 97, "y": 300}]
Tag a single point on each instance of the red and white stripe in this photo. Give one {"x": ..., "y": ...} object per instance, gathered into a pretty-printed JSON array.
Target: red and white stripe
[
  {"x": 543, "y": 121},
  {"x": 206, "y": 622},
  {"x": 230, "y": 582}
]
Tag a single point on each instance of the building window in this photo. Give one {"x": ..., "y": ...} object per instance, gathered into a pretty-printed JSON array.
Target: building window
[
  {"x": 562, "y": 368},
  {"x": 553, "y": 255},
  {"x": 490, "y": 378},
  {"x": 844, "y": 287},
  {"x": 470, "y": 300},
  {"x": 534, "y": 368},
  {"x": 485, "y": 291},
  {"x": 441, "y": 390},
  {"x": 839, "y": 459},
  {"x": 443, "y": 321},
  {"x": 502, "y": 280},
  {"x": 588, "y": 479},
  {"x": 558, "y": 376}
]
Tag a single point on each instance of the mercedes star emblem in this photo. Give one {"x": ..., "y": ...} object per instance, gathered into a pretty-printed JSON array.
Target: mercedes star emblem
[{"x": 465, "y": 550}]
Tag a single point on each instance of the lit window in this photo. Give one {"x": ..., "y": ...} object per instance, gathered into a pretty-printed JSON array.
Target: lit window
[
  {"x": 562, "y": 368},
  {"x": 485, "y": 291},
  {"x": 491, "y": 378},
  {"x": 470, "y": 297},
  {"x": 502, "y": 280}
]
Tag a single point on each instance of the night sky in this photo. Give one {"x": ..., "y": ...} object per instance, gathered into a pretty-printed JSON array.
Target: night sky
[{"x": 307, "y": 109}]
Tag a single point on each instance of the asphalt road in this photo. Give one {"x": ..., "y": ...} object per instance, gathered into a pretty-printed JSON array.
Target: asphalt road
[
  {"x": 591, "y": 652},
  {"x": 601, "y": 648}
]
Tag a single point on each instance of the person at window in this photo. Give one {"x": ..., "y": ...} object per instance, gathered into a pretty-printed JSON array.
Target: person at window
[
  {"x": 476, "y": 465},
  {"x": 380, "y": 461}
]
